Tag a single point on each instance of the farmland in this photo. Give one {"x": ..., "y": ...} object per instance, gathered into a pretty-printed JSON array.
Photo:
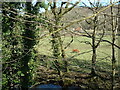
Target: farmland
[
  {"x": 84, "y": 54},
  {"x": 79, "y": 63}
]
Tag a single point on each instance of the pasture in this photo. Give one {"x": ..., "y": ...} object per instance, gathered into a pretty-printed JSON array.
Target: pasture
[{"x": 81, "y": 61}]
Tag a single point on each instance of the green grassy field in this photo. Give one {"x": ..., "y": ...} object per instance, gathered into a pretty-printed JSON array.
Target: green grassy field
[
  {"x": 79, "y": 64},
  {"x": 81, "y": 61}
]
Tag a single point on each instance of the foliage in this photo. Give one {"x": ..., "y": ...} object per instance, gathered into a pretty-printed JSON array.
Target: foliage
[
  {"x": 11, "y": 46},
  {"x": 17, "y": 48}
]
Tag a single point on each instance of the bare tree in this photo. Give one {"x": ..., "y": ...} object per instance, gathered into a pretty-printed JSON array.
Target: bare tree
[
  {"x": 119, "y": 35},
  {"x": 95, "y": 24},
  {"x": 113, "y": 47},
  {"x": 57, "y": 43}
]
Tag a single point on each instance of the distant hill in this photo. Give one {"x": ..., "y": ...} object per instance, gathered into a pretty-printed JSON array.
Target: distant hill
[{"x": 81, "y": 12}]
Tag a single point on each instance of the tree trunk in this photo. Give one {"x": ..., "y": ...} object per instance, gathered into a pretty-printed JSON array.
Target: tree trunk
[
  {"x": 118, "y": 31},
  {"x": 94, "y": 47},
  {"x": 113, "y": 48},
  {"x": 93, "y": 61},
  {"x": 56, "y": 47},
  {"x": 28, "y": 44}
]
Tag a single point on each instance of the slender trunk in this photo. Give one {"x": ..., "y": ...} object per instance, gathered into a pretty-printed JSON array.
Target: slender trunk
[
  {"x": 113, "y": 59},
  {"x": 94, "y": 47},
  {"x": 93, "y": 61},
  {"x": 63, "y": 56},
  {"x": 118, "y": 31},
  {"x": 113, "y": 48}
]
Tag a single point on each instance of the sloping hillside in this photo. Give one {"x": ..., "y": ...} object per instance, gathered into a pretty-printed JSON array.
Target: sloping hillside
[{"x": 82, "y": 12}]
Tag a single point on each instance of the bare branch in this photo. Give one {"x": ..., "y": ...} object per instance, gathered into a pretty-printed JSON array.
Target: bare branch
[{"x": 68, "y": 9}]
